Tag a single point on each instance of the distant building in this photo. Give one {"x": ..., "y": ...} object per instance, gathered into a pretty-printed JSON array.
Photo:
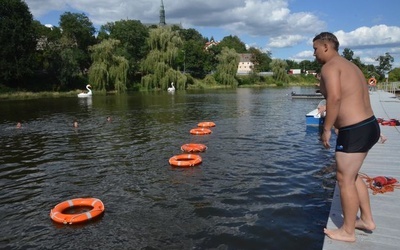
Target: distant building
[
  {"x": 210, "y": 44},
  {"x": 294, "y": 71},
  {"x": 245, "y": 65},
  {"x": 162, "y": 22},
  {"x": 162, "y": 15}
]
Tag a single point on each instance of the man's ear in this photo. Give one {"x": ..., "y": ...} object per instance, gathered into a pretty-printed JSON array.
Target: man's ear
[{"x": 326, "y": 46}]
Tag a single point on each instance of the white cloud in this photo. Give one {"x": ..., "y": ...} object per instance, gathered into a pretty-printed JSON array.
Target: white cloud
[
  {"x": 252, "y": 17},
  {"x": 375, "y": 36},
  {"x": 285, "y": 41}
]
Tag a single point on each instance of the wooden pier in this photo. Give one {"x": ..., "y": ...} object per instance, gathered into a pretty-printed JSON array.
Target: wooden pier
[{"x": 382, "y": 160}]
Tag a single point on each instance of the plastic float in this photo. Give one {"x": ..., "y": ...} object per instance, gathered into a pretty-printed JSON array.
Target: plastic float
[
  {"x": 206, "y": 124},
  {"x": 200, "y": 131},
  {"x": 185, "y": 160},
  {"x": 193, "y": 148},
  {"x": 57, "y": 213}
]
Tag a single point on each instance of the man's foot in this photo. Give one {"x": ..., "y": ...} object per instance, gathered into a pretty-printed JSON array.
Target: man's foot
[
  {"x": 362, "y": 225},
  {"x": 340, "y": 234},
  {"x": 383, "y": 139}
]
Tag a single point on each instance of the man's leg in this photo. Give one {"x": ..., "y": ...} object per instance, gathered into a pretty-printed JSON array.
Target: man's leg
[
  {"x": 366, "y": 221},
  {"x": 348, "y": 165}
]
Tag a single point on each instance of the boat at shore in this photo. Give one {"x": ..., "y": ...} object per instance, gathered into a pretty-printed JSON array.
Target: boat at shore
[
  {"x": 313, "y": 118},
  {"x": 295, "y": 95}
]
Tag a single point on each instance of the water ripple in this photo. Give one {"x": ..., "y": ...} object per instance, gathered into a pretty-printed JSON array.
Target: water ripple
[{"x": 264, "y": 183}]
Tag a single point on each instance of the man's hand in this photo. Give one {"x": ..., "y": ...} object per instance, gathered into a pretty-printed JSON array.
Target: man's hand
[{"x": 325, "y": 137}]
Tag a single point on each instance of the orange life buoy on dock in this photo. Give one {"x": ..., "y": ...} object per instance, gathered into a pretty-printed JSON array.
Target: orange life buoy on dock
[
  {"x": 193, "y": 148},
  {"x": 185, "y": 160},
  {"x": 57, "y": 215},
  {"x": 200, "y": 131},
  {"x": 372, "y": 81},
  {"x": 206, "y": 124}
]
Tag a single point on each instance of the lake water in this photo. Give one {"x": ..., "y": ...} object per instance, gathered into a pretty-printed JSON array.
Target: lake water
[{"x": 265, "y": 181}]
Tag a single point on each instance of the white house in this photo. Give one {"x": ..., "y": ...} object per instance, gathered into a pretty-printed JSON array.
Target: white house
[{"x": 245, "y": 65}]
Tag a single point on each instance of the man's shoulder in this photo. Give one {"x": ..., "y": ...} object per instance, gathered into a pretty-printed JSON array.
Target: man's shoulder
[{"x": 337, "y": 62}]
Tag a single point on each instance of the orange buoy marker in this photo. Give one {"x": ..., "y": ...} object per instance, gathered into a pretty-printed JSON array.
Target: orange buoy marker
[
  {"x": 206, "y": 124},
  {"x": 372, "y": 81},
  {"x": 200, "y": 131},
  {"x": 185, "y": 160},
  {"x": 193, "y": 148},
  {"x": 57, "y": 215}
]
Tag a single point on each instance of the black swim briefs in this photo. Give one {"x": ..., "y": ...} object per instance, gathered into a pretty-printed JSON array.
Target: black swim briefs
[{"x": 359, "y": 137}]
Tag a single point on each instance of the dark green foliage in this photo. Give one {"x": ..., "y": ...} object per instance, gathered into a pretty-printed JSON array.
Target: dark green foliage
[
  {"x": 18, "y": 43},
  {"x": 34, "y": 57},
  {"x": 133, "y": 35}
]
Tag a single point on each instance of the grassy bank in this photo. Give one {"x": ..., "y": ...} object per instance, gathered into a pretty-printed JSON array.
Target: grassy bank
[
  {"x": 249, "y": 81},
  {"x": 19, "y": 95}
]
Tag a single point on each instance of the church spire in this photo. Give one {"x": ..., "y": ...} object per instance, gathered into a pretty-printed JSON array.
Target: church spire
[{"x": 162, "y": 14}]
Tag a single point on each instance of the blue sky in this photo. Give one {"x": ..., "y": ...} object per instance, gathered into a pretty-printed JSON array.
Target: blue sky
[{"x": 284, "y": 27}]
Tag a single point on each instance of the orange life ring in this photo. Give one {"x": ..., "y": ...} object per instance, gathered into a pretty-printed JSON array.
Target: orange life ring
[
  {"x": 200, "y": 131},
  {"x": 192, "y": 148},
  {"x": 57, "y": 215},
  {"x": 372, "y": 81},
  {"x": 185, "y": 160},
  {"x": 206, "y": 124}
]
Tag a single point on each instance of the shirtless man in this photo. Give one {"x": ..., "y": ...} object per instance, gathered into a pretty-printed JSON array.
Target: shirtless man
[{"x": 349, "y": 110}]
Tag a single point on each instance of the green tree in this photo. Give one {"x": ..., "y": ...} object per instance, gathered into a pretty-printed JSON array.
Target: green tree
[
  {"x": 315, "y": 65},
  {"x": 133, "y": 35},
  {"x": 279, "y": 67},
  {"x": 108, "y": 71},
  {"x": 233, "y": 42},
  {"x": 394, "y": 75},
  {"x": 348, "y": 54},
  {"x": 227, "y": 67},
  {"x": 261, "y": 60},
  {"x": 48, "y": 56},
  {"x": 79, "y": 28},
  {"x": 192, "y": 58},
  {"x": 78, "y": 31},
  {"x": 291, "y": 64},
  {"x": 18, "y": 43},
  {"x": 385, "y": 63},
  {"x": 164, "y": 45}
]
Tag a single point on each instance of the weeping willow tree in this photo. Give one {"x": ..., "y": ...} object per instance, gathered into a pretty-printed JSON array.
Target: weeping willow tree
[
  {"x": 164, "y": 47},
  {"x": 108, "y": 71},
  {"x": 228, "y": 62},
  {"x": 279, "y": 66}
]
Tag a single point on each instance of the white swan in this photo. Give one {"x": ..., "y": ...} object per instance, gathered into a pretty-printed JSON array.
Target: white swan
[
  {"x": 88, "y": 94},
  {"x": 171, "y": 89}
]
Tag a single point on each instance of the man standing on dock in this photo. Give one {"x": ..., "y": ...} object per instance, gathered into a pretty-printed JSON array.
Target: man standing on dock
[{"x": 349, "y": 110}]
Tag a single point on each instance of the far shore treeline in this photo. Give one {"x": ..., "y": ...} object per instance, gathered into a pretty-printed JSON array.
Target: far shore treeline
[{"x": 127, "y": 55}]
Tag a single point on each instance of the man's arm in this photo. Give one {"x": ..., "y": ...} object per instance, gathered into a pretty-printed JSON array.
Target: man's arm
[{"x": 331, "y": 79}]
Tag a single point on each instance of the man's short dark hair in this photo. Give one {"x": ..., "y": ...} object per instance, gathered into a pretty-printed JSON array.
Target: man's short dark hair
[{"x": 327, "y": 36}]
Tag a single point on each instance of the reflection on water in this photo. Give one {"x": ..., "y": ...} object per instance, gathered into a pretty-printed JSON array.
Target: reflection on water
[{"x": 260, "y": 186}]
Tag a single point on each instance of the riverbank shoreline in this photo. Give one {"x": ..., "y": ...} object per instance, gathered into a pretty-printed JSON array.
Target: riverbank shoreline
[{"x": 24, "y": 95}]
